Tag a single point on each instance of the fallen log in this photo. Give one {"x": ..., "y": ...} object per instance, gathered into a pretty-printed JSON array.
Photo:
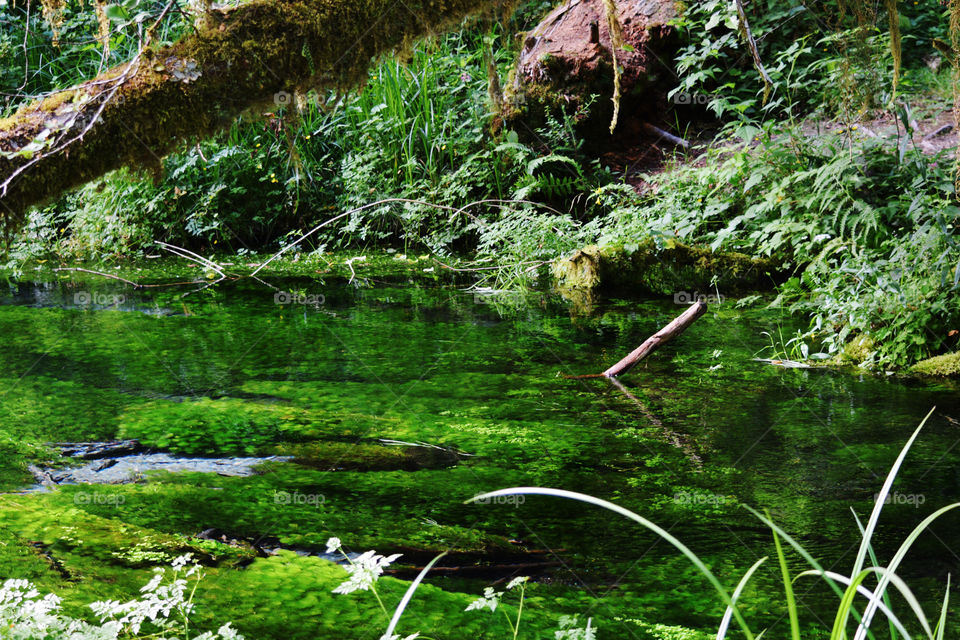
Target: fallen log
[
  {"x": 254, "y": 55},
  {"x": 666, "y": 135},
  {"x": 651, "y": 344}
]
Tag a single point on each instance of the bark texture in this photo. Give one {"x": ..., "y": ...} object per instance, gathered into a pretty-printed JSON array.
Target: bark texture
[
  {"x": 138, "y": 112},
  {"x": 567, "y": 58}
]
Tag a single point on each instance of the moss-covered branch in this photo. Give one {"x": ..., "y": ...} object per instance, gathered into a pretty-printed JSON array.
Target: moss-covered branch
[{"x": 134, "y": 114}]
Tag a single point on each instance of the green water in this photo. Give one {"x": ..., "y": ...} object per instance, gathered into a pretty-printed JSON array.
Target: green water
[{"x": 418, "y": 359}]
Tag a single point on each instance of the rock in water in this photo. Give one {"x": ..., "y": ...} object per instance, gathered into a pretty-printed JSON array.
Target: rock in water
[{"x": 567, "y": 58}]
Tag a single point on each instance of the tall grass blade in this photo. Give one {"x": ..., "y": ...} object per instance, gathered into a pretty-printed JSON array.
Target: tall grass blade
[
  {"x": 572, "y": 495},
  {"x": 838, "y": 632},
  {"x": 728, "y": 614},
  {"x": 787, "y": 588},
  {"x": 872, "y": 525},
  {"x": 405, "y": 600},
  {"x": 862, "y": 590},
  {"x": 942, "y": 623},
  {"x": 894, "y": 563},
  {"x": 819, "y": 570},
  {"x": 882, "y": 496},
  {"x": 876, "y": 563}
]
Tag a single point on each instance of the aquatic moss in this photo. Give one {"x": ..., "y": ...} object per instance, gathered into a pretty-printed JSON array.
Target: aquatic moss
[
  {"x": 946, "y": 365},
  {"x": 360, "y": 456},
  {"x": 206, "y": 426}
]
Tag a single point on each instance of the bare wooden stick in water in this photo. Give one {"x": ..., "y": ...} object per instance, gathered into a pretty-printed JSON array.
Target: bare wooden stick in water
[{"x": 677, "y": 326}]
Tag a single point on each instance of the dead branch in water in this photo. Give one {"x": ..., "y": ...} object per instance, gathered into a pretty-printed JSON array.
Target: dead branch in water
[{"x": 677, "y": 326}]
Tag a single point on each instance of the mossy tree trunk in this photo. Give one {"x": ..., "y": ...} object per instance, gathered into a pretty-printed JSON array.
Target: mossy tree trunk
[{"x": 138, "y": 112}]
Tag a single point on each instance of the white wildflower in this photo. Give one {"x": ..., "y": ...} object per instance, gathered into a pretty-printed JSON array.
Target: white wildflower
[
  {"x": 229, "y": 633},
  {"x": 364, "y": 571},
  {"x": 490, "y": 600},
  {"x": 154, "y": 581},
  {"x": 570, "y": 629},
  {"x": 333, "y": 544},
  {"x": 517, "y": 582},
  {"x": 181, "y": 561}
]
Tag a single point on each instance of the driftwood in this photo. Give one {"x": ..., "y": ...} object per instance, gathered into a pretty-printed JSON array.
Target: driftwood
[{"x": 677, "y": 326}]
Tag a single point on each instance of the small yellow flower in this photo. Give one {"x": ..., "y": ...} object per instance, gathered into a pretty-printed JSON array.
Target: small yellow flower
[
  {"x": 273, "y": 175},
  {"x": 306, "y": 137},
  {"x": 443, "y": 147},
  {"x": 258, "y": 145}
]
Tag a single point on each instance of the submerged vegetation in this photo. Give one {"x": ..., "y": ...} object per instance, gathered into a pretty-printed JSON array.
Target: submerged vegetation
[{"x": 390, "y": 300}]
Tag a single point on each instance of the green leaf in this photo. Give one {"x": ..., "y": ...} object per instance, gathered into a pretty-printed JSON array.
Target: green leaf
[{"x": 116, "y": 12}]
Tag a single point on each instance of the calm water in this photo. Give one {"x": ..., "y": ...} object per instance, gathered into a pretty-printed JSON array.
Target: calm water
[{"x": 423, "y": 362}]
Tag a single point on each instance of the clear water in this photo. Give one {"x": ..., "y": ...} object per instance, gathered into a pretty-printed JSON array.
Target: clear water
[{"x": 422, "y": 361}]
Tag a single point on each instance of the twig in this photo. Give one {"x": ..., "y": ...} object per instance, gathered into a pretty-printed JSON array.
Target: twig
[
  {"x": 651, "y": 344},
  {"x": 100, "y": 273},
  {"x": 752, "y": 45},
  {"x": 190, "y": 255},
  {"x": 507, "y": 266}
]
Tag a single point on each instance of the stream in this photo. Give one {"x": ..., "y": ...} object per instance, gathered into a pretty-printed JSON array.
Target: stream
[{"x": 385, "y": 403}]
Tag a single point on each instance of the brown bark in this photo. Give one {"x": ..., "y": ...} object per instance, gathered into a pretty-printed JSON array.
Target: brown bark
[
  {"x": 136, "y": 113},
  {"x": 677, "y": 326}
]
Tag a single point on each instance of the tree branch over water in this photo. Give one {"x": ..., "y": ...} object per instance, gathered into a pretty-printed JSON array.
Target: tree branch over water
[{"x": 252, "y": 55}]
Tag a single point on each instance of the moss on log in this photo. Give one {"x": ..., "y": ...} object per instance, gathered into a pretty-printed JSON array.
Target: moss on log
[
  {"x": 134, "y": 114},
  {"x": 673, "y": 269},
  {"x": 947, "y": 365}
]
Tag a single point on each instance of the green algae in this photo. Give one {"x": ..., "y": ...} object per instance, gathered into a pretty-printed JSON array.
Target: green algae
[{"x": 425, "y": 362}]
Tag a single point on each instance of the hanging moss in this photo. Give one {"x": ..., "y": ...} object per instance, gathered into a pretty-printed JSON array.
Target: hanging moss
[{"x": 238, "y": 58}]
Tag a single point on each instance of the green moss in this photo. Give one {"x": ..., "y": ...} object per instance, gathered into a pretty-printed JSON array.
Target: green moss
[
  {"x": 53, "y": 102},
  {"x": 358, "y": 456},
  {"x": 205, "y": 426},
  {"x": 857, "y": 350},
  {"x": 674, "y": 267},
  {"x": 944, "y": 365},
  {"x": 580, "y": 271}
]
